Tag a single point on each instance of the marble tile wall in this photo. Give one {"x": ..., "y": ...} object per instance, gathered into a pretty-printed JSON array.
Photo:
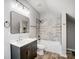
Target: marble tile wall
[{"x": 51, "y": 28}]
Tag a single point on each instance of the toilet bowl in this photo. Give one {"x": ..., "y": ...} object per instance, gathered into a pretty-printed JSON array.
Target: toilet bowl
[{"x": 40, "y": 49}]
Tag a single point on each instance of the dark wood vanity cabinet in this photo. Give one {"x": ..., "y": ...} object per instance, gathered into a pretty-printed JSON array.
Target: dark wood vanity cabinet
[{"x": 28, "y": 51}]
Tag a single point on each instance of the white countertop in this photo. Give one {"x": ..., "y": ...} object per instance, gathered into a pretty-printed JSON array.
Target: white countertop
[{"x": 22, "y": 42}]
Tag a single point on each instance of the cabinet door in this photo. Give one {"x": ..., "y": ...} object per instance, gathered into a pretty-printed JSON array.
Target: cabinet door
[
  {"x": 24, "y": 53},
  {"x": 32, "y": 50},
  {"x": 30, "y": 53},
  {"x": 15, "y": 52}
]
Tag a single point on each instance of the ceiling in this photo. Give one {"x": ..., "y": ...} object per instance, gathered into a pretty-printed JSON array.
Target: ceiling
[
  {"x": 54, "y": 6},
  {"x": 42, "y": 6},
  {"x": 39, "y": 5}
]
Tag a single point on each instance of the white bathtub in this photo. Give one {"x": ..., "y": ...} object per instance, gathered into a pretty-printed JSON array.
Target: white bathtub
[{"x": 51, "y": 46}]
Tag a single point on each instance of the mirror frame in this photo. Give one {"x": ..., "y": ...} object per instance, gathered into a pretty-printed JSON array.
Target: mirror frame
[{"x": 11, "y": 23}]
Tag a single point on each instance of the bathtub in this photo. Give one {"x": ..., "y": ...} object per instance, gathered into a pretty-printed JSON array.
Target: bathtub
[{"x": 51, "y": 46}]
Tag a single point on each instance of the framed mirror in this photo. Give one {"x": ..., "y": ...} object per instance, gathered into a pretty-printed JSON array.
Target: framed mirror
[{"x": 19, "y": 23}]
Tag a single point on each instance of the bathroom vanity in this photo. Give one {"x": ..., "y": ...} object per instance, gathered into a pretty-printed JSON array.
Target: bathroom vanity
[{"x": 26, "y": 49}]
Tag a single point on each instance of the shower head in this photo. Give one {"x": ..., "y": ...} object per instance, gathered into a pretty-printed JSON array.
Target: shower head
[{"x": 42, "y": 21}]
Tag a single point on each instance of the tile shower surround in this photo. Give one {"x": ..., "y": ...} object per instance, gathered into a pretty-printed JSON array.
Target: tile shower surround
[{"x": 51, "y": 29}]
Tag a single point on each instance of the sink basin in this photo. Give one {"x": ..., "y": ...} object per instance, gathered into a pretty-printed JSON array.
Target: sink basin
[{"x": 20, "y": 43}]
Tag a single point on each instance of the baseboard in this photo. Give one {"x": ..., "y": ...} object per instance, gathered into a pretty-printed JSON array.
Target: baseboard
[{"x": 71, "y": 49}]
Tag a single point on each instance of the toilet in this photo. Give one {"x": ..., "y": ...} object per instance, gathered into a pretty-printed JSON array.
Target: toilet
[{"x": 40, "y": 49}]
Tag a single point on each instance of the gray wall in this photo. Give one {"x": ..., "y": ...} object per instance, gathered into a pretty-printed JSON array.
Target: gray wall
[{"x": 70, "y": 33}]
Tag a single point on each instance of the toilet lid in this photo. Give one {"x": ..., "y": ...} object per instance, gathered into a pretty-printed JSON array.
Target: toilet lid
[{"x": 39, "y": 46}]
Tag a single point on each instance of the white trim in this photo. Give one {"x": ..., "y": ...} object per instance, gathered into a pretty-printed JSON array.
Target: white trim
[
  {"x": 71, "y": 49},
  {"x": 64, "y": 34}
]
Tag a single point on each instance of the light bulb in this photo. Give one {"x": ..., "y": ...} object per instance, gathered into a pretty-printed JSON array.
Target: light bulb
[{"x": 14, "y": 4}]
